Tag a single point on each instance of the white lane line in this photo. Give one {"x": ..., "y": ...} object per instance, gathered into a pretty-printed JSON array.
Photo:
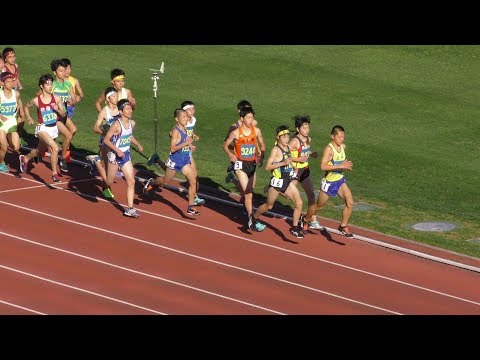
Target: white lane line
[
  {"x": 275, "y": 247},
  {"x": 21, "y": 307},
  {"x": 140, "y": 273},
  {"x": 79, "y": 289},
  {"x": 201, "y": 257}
]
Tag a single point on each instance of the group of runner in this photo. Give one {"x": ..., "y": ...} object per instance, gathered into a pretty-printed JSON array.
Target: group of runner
[
  {"x": 288, "y": 160},
  {"x": 289, "y": 164}
]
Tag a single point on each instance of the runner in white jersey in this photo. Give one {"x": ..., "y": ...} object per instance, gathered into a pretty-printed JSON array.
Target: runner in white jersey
[
  {"x": 104, "y": 120},
  {"x": 118, "y": 139},
  {"x": 10, "y": 107}
]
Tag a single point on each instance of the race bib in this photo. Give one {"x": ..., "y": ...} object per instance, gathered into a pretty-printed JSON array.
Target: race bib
[
  {"x": 324, "y": 185},
  {"x": 238, "y": 165},
  {"x": 169, "y": 163},
  {"x": 276, "y": 182},
  {"x": 112, "y": 157}
]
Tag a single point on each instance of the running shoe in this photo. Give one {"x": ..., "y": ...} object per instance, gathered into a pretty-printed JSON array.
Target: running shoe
[
  {"x": 254, "y": 224},
  {"x": 297, "y": 231},
  {"x": 153, "y": 159},
  {"x": 107, "y": 192},
  {"x": 192, "y": 211},
  {"x": 147, "y": 187},
  {"x": 56, "y": 178},
  {"x": 3, "y": 167},
  {"x": 345, "y": 231},
  {"x": 131, "y": 212},
  {"x": 230, "y": 177},
  {"x": 315, "y": 225},
  {"x": 23, "y": 163},
  {"x": 259, "y": 226},
  {"x": 63, "y": 164},
  {"x": 198, "y": 201}
]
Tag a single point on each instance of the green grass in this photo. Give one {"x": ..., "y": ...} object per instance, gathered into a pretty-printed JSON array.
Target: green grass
[{"x": 410, "y": 114}]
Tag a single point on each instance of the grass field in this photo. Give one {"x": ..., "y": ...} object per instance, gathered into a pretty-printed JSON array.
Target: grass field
[{"x": 410, "y": 113}]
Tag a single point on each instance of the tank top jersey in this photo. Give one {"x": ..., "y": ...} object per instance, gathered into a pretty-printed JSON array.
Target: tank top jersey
[
  {"x": 190, "y": 126},
  {"x": 184, "y": 152},
  {"x": 109, "y": 119},
  {"x": 62, "y": 89},
  {"x": 338, "y": 158},
  {"x": 71, "y": 80},
  {"x": 286, "y": 171},
  {"x": 303, "y": 150},
  {"x": 45, "y": 113},
  {"x": 122, "y": 94},
  {"x": 245, "y": 146},
  {"x": 123, "y": 140},
  {"x": 8, "y": 107}
]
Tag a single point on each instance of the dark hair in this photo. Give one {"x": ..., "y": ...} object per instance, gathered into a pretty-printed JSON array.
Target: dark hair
[
  {"x": 67, "y": 61},
  {"x": 281, "y": 128},
  {"x": 187, "y": 102},
  {"x": 243, "y": 103},
  {"x": 56, "y": 63},
  {"x": 336, "y": 129},
  {"x": 246, "y": 110},
  {"x": 6, "y": 51},
  {"x": 122, "y": 102},
  {"x": 5, "y": 75},
  {"x": 44, "y": 78},
  {"x": 177, "y": 112},
  {"x": 108, "y": 89},
  {"x": 299, "y": 120},
  {"x": 116, "y": 72}
]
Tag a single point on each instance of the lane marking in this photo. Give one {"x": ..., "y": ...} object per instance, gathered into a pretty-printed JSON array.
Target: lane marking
[
  {"x": 21, "y": 307},
  {"x": 140, "y": 273},
  {"x": 78, "y": 289}
]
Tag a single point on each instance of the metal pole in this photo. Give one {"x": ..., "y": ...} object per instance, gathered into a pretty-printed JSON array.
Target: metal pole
[{"x": 153, "y": 159}]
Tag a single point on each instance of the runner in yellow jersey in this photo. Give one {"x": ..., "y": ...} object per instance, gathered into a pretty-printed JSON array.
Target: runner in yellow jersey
[{"x": 334, "y": 162}]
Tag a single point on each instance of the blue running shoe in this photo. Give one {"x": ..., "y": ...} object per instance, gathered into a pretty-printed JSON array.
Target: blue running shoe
[{"x": 198, "y": 201}]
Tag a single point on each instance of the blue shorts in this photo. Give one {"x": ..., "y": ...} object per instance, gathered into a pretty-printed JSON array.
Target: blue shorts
[
  {"x": 331, "y": 188},
  {"x": 179, "y": 164},
  {"x": 70, "y": 110},
  {"x": 120, "y": 161}
]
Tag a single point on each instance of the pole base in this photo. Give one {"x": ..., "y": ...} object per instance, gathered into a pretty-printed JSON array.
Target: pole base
[{"x": 153, "y": 159}]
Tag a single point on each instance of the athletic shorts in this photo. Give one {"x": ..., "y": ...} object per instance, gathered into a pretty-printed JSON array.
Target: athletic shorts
[
  {"x": 120, "y": 161},
  {"x": 331, "y": 188},
  {"x": 248, "y": 167},
  {"x": 178, "y": 165},
  {"x": 50, "y": 130},
  {"x": 62, "y": 119},
  {"x": 9, "y": 125},
  {"x": 280, "y": 184},
  {"x": 303, "y": 173},
  {"x": 70, "y": 110}
]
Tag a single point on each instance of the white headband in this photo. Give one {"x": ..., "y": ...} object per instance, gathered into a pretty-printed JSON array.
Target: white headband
[
  {"x": 110, "y": 94},
  {"x": 189, "y": 106}
]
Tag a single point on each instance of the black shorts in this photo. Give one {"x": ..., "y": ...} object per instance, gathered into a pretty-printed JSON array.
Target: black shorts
[
  {"x": 280, "y": 184},
  {"x": 303, "y": 173},
  {"x": 62, "y": 119},
  {"x": 248, "y": 167}
]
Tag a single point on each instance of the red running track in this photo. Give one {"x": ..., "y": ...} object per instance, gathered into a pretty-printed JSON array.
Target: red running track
[{"x": 65, "y": 250}]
